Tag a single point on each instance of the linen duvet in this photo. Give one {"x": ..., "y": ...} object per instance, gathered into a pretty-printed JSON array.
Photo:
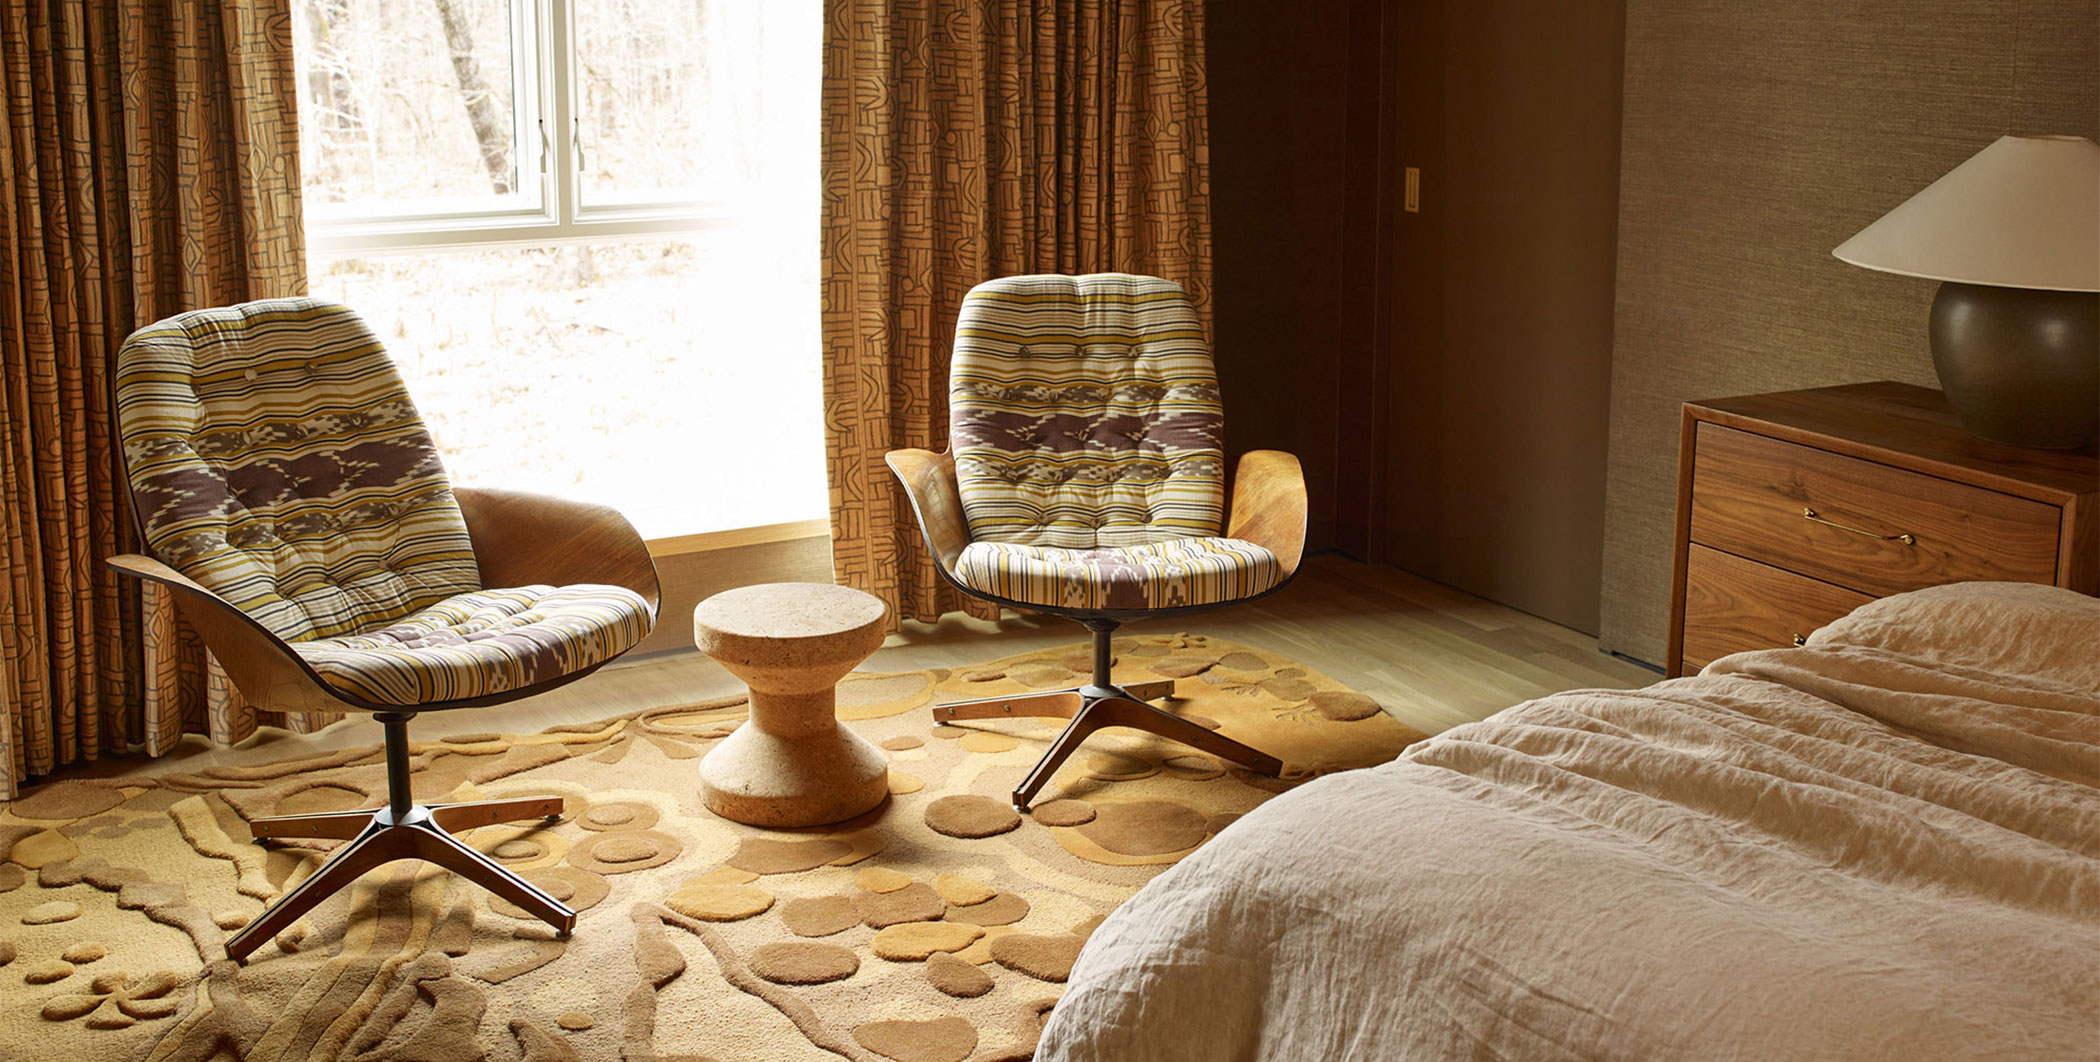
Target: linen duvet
[{"x": 1883, "y": 845}]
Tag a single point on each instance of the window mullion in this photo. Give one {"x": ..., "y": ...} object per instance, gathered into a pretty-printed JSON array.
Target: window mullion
[
  {"x": 528, "y": 107},
  {"x": 558, "y": 80}
]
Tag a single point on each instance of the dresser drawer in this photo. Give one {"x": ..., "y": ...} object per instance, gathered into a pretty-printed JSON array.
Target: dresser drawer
[
  {"x": 1732, "y": 605},
  {"x": 1753, "y": 495}
]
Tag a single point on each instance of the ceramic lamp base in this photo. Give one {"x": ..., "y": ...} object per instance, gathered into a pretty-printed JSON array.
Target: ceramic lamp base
[{"x": 2020, "y": 366}]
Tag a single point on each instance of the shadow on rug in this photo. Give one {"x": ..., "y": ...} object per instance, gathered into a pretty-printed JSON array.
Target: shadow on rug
[{"x": 937, "y": 928}]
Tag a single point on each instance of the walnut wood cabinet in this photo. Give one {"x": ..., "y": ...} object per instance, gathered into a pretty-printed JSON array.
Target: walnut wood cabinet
[{"x": 1796, "y": 507}]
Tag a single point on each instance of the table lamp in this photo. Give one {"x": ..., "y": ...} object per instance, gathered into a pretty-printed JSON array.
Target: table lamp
[{"x": 2013, "y": 234}]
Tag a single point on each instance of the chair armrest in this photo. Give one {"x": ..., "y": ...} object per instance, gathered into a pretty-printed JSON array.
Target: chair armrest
[
  {"x": 523, "y": 539},
  {"x": 929, "y": 481},
  {"x": 1268, "y": 505},
  {"x": 265, "y": 668}
]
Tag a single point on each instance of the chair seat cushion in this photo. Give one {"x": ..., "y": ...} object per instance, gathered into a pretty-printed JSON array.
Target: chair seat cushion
[
  {"x": 1171, "y": 573},
  {"x": 482, "y": 643}
]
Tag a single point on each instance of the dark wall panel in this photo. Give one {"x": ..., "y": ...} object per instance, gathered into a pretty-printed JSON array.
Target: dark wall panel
[
  {"x": 1499, "y": 363},
  {"x": 1278, "y": 114}
]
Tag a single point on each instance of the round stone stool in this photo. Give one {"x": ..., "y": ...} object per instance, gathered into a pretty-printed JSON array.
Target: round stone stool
[{"x": 791, "y": 764}]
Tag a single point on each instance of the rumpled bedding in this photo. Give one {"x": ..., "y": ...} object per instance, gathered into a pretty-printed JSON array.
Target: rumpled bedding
[{"x": 1884, "y": 845}]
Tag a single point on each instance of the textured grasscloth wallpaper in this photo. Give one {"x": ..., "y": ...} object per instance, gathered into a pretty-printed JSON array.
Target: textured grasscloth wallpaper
[{"x": 1757, "y": 137}]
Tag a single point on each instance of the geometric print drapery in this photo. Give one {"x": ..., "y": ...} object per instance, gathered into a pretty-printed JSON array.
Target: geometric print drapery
[
  {"x": 970, "y": 139},
  {"x": 149, "y": 161}
]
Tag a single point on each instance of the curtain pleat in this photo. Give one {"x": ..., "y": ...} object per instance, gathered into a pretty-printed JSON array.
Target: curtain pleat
[
  {"x": 149, "y": 156},
  {"x": 970, "y": 139}
]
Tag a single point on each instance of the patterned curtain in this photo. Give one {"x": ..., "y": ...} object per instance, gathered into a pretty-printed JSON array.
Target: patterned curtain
[
  {"x": 970, "y": 139},
  {"x": 149, "y": 161}
]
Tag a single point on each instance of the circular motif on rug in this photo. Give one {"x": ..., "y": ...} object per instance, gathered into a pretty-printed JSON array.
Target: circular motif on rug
[
  {"x": 881, "y": 879},
  {"x": 916, "y": 902},
  {"x": 580, "y": 890},
  {"x": 1145, "y": 827},
  {"x": 902, "y": 743},
  {"x": 819, "y": 916},
  {"x": 956, "y": 977},
  {"x": 720, "y": 903},
  {"x": 1109, "y": 767},
  {"x": 1193, "y": 767},
  {"x": 618, "y": 815},
  {"x": 84, "y": 952},
  {"x": 914, "y": 941},
  {"x": 987, "y": 741},
  {"x": 1046, "y": 958},
  {"x": 803, "y": 962},
  {"x": 1288, "y": 689},
  {"x": 44, "y": 914},
  {"x": 940, "y": 1040},
  {"x": 50, "y": 971},
  {"x": 1003, "y": 909},
  {"x": 1344, "y": 706},
  {"x": 879, "y": 696},
  {"x": 771, "y": 855},
  {"x": 66, "y": 800},
  {"x": 970, "y": 816},
  {"x": 962, "y": 891},
  {"x": 625, "y": 851},
  {"x": 1042, "y": 675},
  {"x": 1183, "y": 666}
]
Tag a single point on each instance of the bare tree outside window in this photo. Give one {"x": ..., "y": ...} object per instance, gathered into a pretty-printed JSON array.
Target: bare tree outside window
[{"x": 459, "y": 176}]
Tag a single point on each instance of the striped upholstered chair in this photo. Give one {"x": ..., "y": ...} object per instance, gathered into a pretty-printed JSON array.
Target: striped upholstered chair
[
  {"x": 1086, "y": 479},
  {"x": 297, "y": 511}
]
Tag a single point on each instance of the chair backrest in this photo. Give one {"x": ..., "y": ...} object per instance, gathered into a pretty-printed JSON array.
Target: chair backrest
[
  {"x": 1084, "y": 412},
  {"x": 275, "y": 457}
]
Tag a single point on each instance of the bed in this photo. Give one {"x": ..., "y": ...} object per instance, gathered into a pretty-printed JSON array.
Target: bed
[{"x": 1885, "y": 844}]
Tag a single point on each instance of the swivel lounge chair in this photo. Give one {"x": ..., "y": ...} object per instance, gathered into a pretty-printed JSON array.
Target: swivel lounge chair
[
  {"x": 296, "y": 509},
  {"x": 1085, "y": 479}
]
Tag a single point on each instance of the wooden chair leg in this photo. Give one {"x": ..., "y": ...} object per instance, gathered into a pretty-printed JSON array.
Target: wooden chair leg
[
  {"x": 1068, "y": 742},
  {"x": 1149, "y": 691},
  {"x": 1119, "y": 711},
  {"x": 454, "y": 818},
  {"x": 434, "y": 845},
  {"x": 1059, "y": 704},
  {"x": 326, "y": 825},
  {"x": 1138, "y": 716},
  {"x": 374, "y": 847}
]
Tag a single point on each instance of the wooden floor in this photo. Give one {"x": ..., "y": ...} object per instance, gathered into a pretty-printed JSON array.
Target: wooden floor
[{"x": 1397, "y": 637}]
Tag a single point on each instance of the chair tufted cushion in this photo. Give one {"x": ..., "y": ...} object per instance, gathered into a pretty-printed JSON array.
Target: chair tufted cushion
[
  {"x": 1084, "y": 412},
  {"x": 275, "y": 457},
  {"x": 1175, "y": 573},
  {"x": 482, "y": 643}
]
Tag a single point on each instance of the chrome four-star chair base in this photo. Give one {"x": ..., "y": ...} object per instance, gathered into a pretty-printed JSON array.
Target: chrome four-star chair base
[
  {"x": 1098, "y": 704},
  {"x": 403, "y": 829}
]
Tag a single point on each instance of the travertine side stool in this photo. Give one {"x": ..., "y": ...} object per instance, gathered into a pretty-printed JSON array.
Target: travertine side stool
[{"x": 792, "y": 763}]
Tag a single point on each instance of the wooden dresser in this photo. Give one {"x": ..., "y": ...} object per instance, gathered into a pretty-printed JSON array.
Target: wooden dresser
[{"x": 1793, "y": 508}]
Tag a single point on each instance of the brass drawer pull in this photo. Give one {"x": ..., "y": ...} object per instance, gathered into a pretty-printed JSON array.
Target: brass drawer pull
[
  {"x": 1904, "y": 538},
  {"x": 1800, "y": 640}
]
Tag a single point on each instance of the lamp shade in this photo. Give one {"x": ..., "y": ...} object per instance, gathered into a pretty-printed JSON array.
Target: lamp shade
[{"x": 2023, "y": 213}]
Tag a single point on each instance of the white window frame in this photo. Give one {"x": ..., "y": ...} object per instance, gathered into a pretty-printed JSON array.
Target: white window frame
[{"x": 550, "y": 211}]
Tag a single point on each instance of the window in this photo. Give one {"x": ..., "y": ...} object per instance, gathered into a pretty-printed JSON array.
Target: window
[{"x": 587, "y": 229}]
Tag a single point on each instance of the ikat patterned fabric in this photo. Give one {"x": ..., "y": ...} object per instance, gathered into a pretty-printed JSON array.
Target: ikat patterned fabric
[
  {"x": 1175, "y": 573},
  {"x": 150, "y": 157},
  {"x": 967, "y": 139},
  {"x": 276, "y": 458},
  {"x": 1084, "y": 412},
  {"x": 483, "y": 643}
]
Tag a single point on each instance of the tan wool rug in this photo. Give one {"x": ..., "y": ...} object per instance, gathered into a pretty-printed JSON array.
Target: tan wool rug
[{"x": 937, "y": 928}]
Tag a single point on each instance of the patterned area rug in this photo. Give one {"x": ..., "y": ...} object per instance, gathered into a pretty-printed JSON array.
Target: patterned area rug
[{"x": 937, "y": 928}]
